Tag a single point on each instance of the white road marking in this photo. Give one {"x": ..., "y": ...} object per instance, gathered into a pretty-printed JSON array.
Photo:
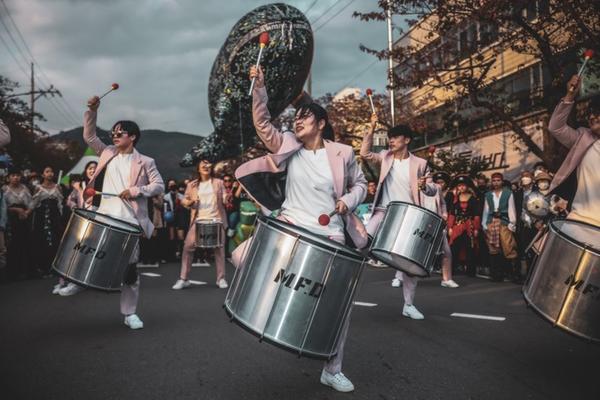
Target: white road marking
[
  {"x": 197, "y": 282},
  {"x": 150, "y": 274},
  {"x": 476, "y": 316},
  {"x": 361, "y": 303}
]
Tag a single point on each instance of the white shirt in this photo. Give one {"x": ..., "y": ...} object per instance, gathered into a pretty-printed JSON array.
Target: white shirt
[
  {"x": 512, "y": 213},
  {"x": 207, "y": 208},
  {"x": 309, "y": 193},
  {"x": 586, "y": 203},
  {"x": 396, "y": 186},
  {"x": 116, "y": 180}
]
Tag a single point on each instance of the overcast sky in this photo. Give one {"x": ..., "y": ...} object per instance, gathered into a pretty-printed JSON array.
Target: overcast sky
[{"x": 161, "y": 53}]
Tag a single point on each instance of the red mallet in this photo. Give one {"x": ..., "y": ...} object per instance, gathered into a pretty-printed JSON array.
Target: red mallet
[
  {"x": 324, "y": 219},
  {"x": 370, "y": 96},
  {"x": 91, "y": 192},
  {"x": 263, "y": 41},
  {"x": 113, "y": 87},
  {"x": 589, "y": 53}
]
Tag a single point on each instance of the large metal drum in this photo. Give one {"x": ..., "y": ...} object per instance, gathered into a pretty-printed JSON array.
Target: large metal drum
[
  {"x": 294, "y": 289},
  {"x": 96, "y": 249},
  {"x": 409, "y": 238},
  {"x": 209, "y": 233},
  {"x": 564, "y": 285}
]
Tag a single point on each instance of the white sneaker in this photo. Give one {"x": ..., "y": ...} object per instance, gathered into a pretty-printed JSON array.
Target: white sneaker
[
  {"x": 449, "y": 284},
  {"x": 230, "y": 233},
  {"x": 57, "y": 288},
  {"x": 181, "y": 284},
  {"x": 70, "y": 289},
  {"x": 411, "y": 312},
  {"x": 134, "y": 322},
  {"x": 396, "y": 282},
  {"x": 338, "y": 381},
  {"x": 222, "y": 284},
  {"x": 202, "y": 263}
]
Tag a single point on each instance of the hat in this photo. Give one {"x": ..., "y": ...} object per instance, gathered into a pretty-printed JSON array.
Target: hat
[
  {"x": 466, "y": 179},
  {"x": 441, "y": 175},
  {"x": 543, "y": 176}
]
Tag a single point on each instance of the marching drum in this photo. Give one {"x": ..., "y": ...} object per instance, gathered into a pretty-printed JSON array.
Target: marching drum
[
  {"x": 96, "y": 249},
  {"x": 409, "y": 238},
  {"x": 564, "y": 285},
  {"x": 294, "y": 289},
  {"x": 209, "y": 233}
]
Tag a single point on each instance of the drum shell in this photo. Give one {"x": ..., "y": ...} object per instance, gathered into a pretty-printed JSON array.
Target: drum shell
[
  {"x": 293, "y": 292},
  {"x": 94, "y": 254},
  {"x": 409, "y": 238},
  {"x": 564, "y": 284},
  {"x": 209, "y": 234}
]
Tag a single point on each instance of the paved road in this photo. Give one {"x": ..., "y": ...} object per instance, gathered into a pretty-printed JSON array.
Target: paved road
[{"x": 77, "y": 347}]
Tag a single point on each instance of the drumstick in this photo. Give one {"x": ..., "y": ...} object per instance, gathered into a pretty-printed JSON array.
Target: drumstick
[
  {"x": 324, "y": 219},
  {"x": 589, "y": 53},
  {"x": 91, "y": 192},
  {"x": 370, "y": 96},
  {"x": 263, "y": 41},
  {"x": 113, "y": 87}
]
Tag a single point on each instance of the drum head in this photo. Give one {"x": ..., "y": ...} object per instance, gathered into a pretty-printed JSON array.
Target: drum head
[
  {"x": 310, "y": 237},
  {"x": 108, "y": 221},
  {"x": 579, "y": 233}
]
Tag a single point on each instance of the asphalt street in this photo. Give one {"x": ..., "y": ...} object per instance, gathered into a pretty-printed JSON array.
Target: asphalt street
[{"x": 77, "y": 347}]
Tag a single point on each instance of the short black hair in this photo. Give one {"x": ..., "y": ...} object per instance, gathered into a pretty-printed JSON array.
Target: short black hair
[
  {"x": 320, "y": 114},
  {"x": 400, "y": 130},
  {"x": 131, "y": 128}
]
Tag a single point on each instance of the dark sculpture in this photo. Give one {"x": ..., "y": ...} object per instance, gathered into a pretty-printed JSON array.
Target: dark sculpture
[{"x": 286, "y": 62}]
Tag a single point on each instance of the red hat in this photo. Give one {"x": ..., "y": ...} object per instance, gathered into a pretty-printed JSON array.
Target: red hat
[{"x": 497, "y": 175}]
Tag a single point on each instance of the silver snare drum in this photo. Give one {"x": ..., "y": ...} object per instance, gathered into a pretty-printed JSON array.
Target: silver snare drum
[
  {"x": 294, "y": 289},
  {"x": 409, "y": 238},
  {"x": 564, "y": 285},
  {"x": 209, "y": 233},
  {"x": 95, "y": 250}
]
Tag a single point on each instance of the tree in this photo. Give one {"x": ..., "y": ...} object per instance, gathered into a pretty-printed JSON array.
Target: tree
[{"x": 462, "y": 41}]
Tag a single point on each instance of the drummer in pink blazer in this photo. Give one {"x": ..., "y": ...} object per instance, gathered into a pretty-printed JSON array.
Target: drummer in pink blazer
[
  {"x": 403, "y": 177},
  {"x": 579, "y": 173},
  {"x": 307, "y": 174},
  {"x": 204, "y": 196},
  {"x": 134, "y": 177}
]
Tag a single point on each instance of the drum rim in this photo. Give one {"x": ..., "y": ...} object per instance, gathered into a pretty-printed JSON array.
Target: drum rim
[
  {"x": 416, "y": 206},
  {"x": 570, "y": 239},
  {"x": 208, "y": 221},
  {"x": 137, "y": 229},
  {"x": 373, "y": 255},
  {"x": 307, "y": 236}
]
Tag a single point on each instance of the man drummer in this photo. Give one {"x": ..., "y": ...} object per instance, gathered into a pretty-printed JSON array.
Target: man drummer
[
  {"x": 403, "y": 177},
  {"x": 579, "y": 172},
  {"x": 134, "y": 177}
]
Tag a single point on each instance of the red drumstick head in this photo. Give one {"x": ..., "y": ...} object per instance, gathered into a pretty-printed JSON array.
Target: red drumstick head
[
  {"x": 369, "y": 92},
  {"x": 263, "y": 39},
  {"x": 324, "y": 219},
  {"x": 89, "y": 192},
  {"x": 115, "y": 86},
  {"x": 589, "y": 53}
]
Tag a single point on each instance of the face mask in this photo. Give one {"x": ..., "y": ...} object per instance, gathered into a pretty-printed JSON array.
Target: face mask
[
  {"x": 543, "y": 185},
  {"x": 526, "y": 180}
]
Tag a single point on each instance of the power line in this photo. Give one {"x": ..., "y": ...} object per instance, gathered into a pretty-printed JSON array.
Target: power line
[
  {"x": 335, "y": 15},
  {"x": 359, "y": 74},
  {"x": 14, "y": 57},
  {"x": 325, "y": 12},
  {"x": 309, "y": 7}
]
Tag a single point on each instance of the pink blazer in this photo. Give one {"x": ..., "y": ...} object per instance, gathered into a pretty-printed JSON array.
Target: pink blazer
[
  {"x": 577, "y": 140},
  {"x": 191, "y": 194},
  {"x": 417, "y": 168},
  {"x": 264, "y": 178},
  {"x": 144, "y": 178}
]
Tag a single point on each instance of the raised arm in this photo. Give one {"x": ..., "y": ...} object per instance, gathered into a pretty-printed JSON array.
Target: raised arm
[
  {"x": 557, "y": 125},
  {"x": 271, "y": 136},
  {"x": 367, "y": 142},
  {"x": 89, "y": 126}
]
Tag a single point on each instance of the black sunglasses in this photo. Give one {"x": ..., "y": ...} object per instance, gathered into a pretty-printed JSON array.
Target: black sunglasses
[{"x": 118, "y": 134}]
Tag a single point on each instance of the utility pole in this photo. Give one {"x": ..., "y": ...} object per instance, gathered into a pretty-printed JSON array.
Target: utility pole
[
  {"x": 390, "y": 61},
  {"x": 32, "y": 96}
]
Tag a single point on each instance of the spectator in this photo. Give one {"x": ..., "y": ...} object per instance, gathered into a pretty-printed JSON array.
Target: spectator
[
  {"x": 18, "y": 202},
  {"x": 150, "y": 247},
  {"x": 232, "y": 192},
  {"x": 371, "y": 190},
  {"x": 47, "y": 221},
  {"x": 170, "y": 201},
  {"x": 464, "y": 224},
  {"x": 499, "y": 223},
  {"x": 182, "y": 219},
  {"x": 525, "y": 231}
]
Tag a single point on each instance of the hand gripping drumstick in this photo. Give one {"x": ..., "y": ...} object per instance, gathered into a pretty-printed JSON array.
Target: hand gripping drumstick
[
  {"x": 263, "y": 41},
  {"x": 113, "y": 87},
  {"x": 370, "y": 96},
  {"x": 589, "y": 53},
  {"x": 324, "y": 219},
  {"x": 91, "y": 192}
]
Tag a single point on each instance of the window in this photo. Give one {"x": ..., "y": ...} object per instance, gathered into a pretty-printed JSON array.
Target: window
[{"x": 488, "y": 34}]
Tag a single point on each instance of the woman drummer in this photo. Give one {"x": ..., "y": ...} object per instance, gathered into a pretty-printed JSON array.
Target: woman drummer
[
  {"x": 464, "y": 223},
  {"x": 204, "y": 197},
  {"x": 322, "y": 176}
]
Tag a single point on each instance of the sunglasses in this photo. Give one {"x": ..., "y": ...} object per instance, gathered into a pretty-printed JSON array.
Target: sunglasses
[{"x": 118, "y": 134}]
